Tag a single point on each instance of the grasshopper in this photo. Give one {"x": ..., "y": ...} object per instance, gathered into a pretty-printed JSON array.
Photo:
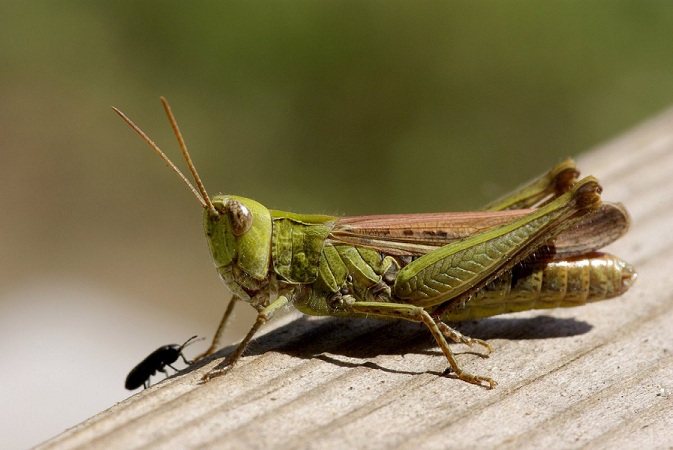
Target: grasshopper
[{"x": 533, "y": 249}]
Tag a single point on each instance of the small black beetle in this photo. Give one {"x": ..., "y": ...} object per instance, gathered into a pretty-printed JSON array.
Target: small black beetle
[{"x": 156, "y": 362}]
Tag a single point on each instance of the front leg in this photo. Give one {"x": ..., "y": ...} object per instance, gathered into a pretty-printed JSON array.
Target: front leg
[
  {"x": 218, "y": 334},
  {"x": 263, "y": 317}
]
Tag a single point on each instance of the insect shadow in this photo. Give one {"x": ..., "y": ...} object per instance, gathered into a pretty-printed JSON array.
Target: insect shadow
[{"x": 365, "y": 339}]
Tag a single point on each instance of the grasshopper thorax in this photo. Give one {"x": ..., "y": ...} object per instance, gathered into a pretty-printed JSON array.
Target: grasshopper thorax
[{"x": 239, "y": 234}]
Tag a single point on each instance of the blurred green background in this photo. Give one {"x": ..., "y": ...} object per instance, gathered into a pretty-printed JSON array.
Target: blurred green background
[{"x": 341, "y": 107}]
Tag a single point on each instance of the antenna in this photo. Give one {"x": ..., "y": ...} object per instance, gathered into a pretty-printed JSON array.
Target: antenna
[
  {"x": 190, "y": 341},
  {"x": 201, "y": 195},
  {"x": 188, "y": 158}
]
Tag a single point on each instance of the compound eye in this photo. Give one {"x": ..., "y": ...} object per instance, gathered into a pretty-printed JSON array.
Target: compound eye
[{"x": 240, "y": 217}]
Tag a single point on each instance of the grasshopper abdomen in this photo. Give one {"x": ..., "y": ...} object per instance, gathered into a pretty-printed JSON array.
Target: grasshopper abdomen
[{"x": 549, "y": 284}]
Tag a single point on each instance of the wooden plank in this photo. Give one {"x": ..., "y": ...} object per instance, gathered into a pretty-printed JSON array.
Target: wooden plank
[{"x": 599, "y": 376}]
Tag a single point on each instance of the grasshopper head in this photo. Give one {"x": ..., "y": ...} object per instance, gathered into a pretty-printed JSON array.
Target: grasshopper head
[{"x": 239, "y": 233}]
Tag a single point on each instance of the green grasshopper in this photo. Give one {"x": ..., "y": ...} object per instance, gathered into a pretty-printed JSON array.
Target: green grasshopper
[{"x": 533, "y": 249}]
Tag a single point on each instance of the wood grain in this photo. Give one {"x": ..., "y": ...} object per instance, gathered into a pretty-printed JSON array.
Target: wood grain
[{"x": 599, "y": 376}]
